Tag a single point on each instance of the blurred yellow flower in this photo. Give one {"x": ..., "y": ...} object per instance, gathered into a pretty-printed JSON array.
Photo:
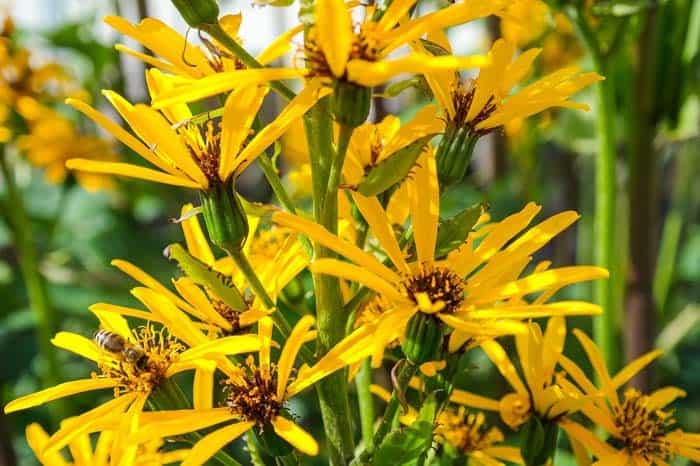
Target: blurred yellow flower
[{"x": 524, "y": 21}]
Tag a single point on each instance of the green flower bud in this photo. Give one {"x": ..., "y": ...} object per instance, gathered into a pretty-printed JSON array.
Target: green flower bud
[
  {"x": 225, "y": 219},
  {"x": 271, "y": 442},
  {"x": 350, "y": 103},
  {"x": 198, "y": 12},
  {"x": 423, "y": 338},
  {"x": 538, "y": 441},
  {"x": 454, "y": 153}
]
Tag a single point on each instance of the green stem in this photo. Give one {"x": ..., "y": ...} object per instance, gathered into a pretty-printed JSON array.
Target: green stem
[
  {"x": 333, "y": 390},
  {"x": 34, "y": 281},
  {"x": 404, "y": 375},
  {"x": 218, "y": 33},
  {"x": 605, "y": 195},
  {"x": 270, "y": 172},
  {"x": 363, "y": 380}
]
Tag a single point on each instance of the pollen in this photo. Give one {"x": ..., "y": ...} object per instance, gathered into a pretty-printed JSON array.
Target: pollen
[
  {"x": 231, "y": 315},
  {"x": 462, "y": 98},
  {"x": 467, "y": 432},
  {"x": 643, "y": 430},
  {"x": 204, "y": 143},
  {"x": 439, "y": 283},
  {"x": 251, "y": 394},
  {"x": 160, "y": 350}
]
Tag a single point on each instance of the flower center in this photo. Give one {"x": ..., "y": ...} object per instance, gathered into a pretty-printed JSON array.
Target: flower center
[
  {"x": 252, "y": 394},
  {"x": 363, "y": 48},
  {"x": 467, "y": 432},
  {"x": 643, "y": 431},
  {"x": 231, "y": 315},
  {"x": 204, "y": 143},
  {"x": 439, "y": 283},
  {"x": 158, "y": 351},
  {"x": 462, "y": 98}
]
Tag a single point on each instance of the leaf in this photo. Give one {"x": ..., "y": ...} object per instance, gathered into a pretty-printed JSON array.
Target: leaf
[
  {"x": 393, "y": 169},
  {"x": 406, "y": 446},
  {"x": 397, "y": 88},
  {"x": 204, "y": 275},
  {"x": 620, "y": 7},
  {"x": 453, "y": 232}
]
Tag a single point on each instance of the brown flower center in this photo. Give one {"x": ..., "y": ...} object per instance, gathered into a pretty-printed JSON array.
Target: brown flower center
[
  {"x": 643, "y": 430},
  {"x": 204, "y": 143},
  {"x": 363, "y": 48},
  {"x": 252, "y": 394},
  {"x": 439, "y": 283},
  {"x": 462, "y": 98}
]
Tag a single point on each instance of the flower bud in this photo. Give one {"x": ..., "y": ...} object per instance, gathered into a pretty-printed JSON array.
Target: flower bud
[
  {"x": 198, "y": 12},
  {"x": 271, "y": 442},
  {"x": 454, "y": 153},
  {"x": 422, "y": 339},
  {"x": 538, "y": 441},
  {"x": 225, "y": 219},
  {"x": 350, "y": 103}
]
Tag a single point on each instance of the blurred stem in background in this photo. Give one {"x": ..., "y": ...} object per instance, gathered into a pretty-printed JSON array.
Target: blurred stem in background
[
  {"x": 21, "y": 228},
  {"x": 605, "y": 218},
  {"x": 643, "y": 190}
]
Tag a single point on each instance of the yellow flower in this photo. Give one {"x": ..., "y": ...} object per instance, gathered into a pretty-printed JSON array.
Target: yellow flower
[
  {"x": 256, "y": 397},
  {"x": 484, "y": 103},
  {"x": 524, "y": 21},
  {"x": 53, "y": 139},
  {"x": 174, "y": 54},
  {"x": 133, "y": 363},
  {"x": 104, "y": 453},
  {"x": 192, "y": 154},
  {"x": 536, "y": 392},
  {"x": 205, "y": 314},
  {"x": 474, "y": 290},
  {"x": 641, "y": 425}
]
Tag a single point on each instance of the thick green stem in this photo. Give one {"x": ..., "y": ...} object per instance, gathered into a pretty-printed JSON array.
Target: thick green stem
[
  {"x": 605, "y": 195},
  {"x": 34, "y": 281},
  {"x": 333, "y": 390},
  {"x": 273, "y": 178},
  {"x": 363, "y": 380},
  {"x": 218, "y": 33}
]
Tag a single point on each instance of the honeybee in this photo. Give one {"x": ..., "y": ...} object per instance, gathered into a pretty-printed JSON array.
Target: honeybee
[{"x": 117, "y": 344}]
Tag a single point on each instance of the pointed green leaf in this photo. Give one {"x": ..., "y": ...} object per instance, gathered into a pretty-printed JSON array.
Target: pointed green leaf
[{"x": 453, "y": 232}]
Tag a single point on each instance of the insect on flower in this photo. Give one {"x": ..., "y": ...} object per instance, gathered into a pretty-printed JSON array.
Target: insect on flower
[{"x": 132, "y": 353}]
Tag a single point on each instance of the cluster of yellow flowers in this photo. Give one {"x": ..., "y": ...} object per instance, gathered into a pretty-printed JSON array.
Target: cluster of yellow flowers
[
  {"x": 46, "y": 137},
  {"x": 393, "y": 281}
]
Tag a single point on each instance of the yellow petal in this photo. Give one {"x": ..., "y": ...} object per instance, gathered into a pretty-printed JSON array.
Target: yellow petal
[
  {"x": 37, "y": 439},
  {"x": 157, "y": 83},
  {"x": 329, "y": 240},
  {"x": 240, "y": 109},
  {"x": 197, "y": 243},
  {"x": 662, "y": 397},
  {"x": 226, "y": 346},
  {"x": 147, "y": 59},
  {"x": 131, "y": 171},
  {"x": 295, "y": 435},
  {"x": 373, "y": 73},
  {"x": 381, "y": 227},
  {"x": 475, "y": 401},
  {"x": 289, "y": 353},
  {"x": 631, "y": 369},
  {"x": 481, "y": 328},
  {"x": 357, "y": 274},
  {"x": 578, "y": 375},
  {"x": 424, "y": 194},
  {"x": 295, "y": 109},
  {"x": 211, "y": 443},
  {"x": 587, "y": 438},
  {"x": 598, "y": 363},
  {"x": 78, "y": 344},
  {"x": 203, "y": 386},
  {"x": 223, "y": 82},
  {"x": 124, "y": 311},
  {"x": 531, "y": 311},
  {"x": 200, "y": 302},
  {"x": 59, "y": 391},
  {"x": 500, "y": 359},
  {"x": 335, "y": 34},
  {"x": 396, "y": 12},
  {"x": 281, "y": 45},
  {"x": 162, "y": 424},
  {"x": 265, "y": 336}
]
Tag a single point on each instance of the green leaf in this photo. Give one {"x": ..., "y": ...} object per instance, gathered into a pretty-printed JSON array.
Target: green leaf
[
  {"x": 397, "y": 88},
  {"x": 453, "y": 232},
  {"x": 405, "y": 446},
  {"x": 620, "y": 7},
  {"x": 203, "y": 275},
  {"x": 393, "y": 169}
]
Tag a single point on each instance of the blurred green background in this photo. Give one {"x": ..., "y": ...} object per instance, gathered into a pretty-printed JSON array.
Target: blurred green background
[{"x": 549, "y": 159}]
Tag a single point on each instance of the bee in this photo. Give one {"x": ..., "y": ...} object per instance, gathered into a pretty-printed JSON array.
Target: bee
[{"x": 117, "y": 344}]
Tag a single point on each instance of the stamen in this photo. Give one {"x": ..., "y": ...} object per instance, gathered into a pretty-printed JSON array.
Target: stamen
[
  {"x": 252, "y": 394},
  {"x": 462, "y": 98},
  {"x": 440, "y": 284},
  {"x": 467, "y": 432},
  {"x": 643, "y": 431}
]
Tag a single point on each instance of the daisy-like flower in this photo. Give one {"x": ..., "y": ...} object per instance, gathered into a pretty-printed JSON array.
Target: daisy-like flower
[
  {"x": 474, "y": 290},
  {"x": 641, "y": 427},
  {"x": 194, "y": 155},
  {"x": 256, "y": 396},
  {"x": 465, "y": 432},
  {"x": 536, "y": 392},
  {"x": 103, "y": 453},
  {"x": 276, "y": 255},
  {"x": 134, "y": 363},
  {"x": 174, "y": 54}
]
